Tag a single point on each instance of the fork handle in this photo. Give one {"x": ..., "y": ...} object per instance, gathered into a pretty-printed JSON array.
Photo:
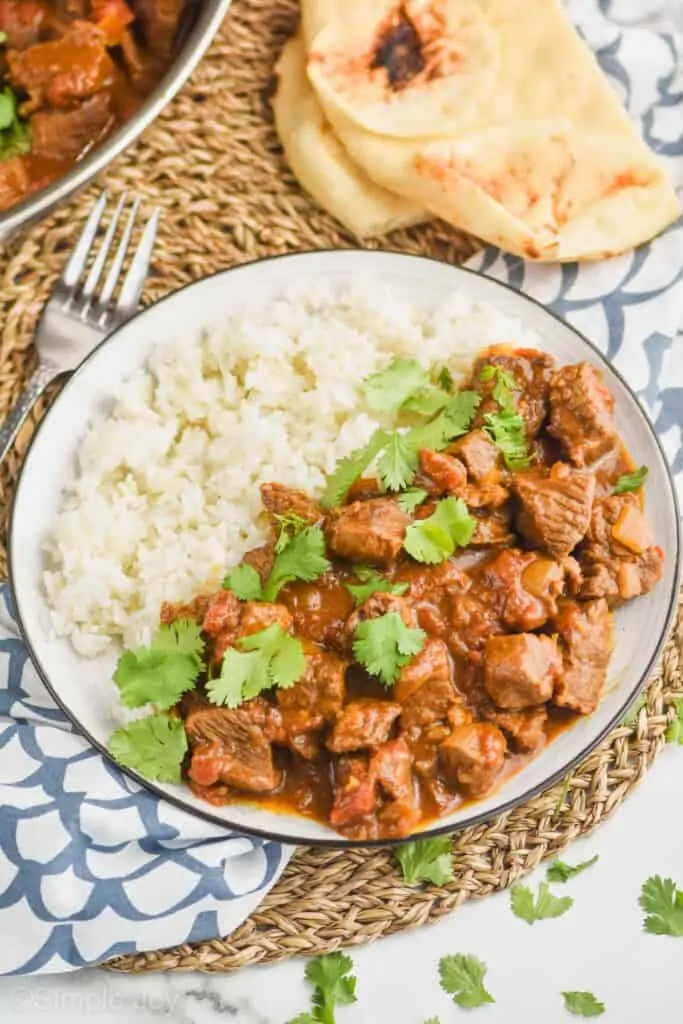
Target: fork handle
[{"x": 39, "y": 380}]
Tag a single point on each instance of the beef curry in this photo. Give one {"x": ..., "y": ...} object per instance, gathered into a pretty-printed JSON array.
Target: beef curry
[
  {"x": 70, "y": 72},
  {"x": 438, "y": 654}
]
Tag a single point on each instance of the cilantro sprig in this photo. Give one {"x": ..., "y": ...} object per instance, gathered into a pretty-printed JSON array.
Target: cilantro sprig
[
  {"x": 351, "y": 468},
  {"x": 258, "y": 662},
  {"x": 545, "y": 905},
  {"x": 434, "y": 539},
  {"x": 662, "y": 901},
  {"x": 385, "y": 645},
  {"x": 583, "y": 1004},
  {"x": 462, "y": 976},
  {"x": 298, "y": 557},
  {"x": 15, "y": 134},
  {"x": 372, "y": 583},
  {"x": 559, "y": 871},
  {"x": 412, "y": 499},
  {"x": 631, "y": 481},
  {"x": 506, "y": 428},
  {"x": 161, "y": 673},
  {"x": 154, "y": 746},
  {"x": 334, "y": 985},
  {"x": 429, "y": 860},
  {"x": 389, "y": 389},
  {"x": 674, "y": 732}
]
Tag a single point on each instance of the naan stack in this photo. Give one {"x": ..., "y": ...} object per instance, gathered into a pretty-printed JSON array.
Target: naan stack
[{"x": 491, "y": 114}]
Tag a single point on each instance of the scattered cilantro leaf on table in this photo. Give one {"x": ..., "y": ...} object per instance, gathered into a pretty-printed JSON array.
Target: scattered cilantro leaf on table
[
  {"x": 161, "y": 673},
  {"x": 245, "y": 583},
  {"x": 583, "y": 1004},
  {"x": 631, "y": 716},
  {"x": 389, "y": 389},
  {"x": 266, "y": 659},
  {"x": 430, "y": 860},
  {"x": 631, "y": 481},
  {"x": 433, "y": 1020},
  {"x": 560, "y": 871},
  {"x": 349, "y": 469},
  {"x": 334, "y": 986},
  {"x": 412, "y": 499},
  {"x": 674, "y": 733},
  {"x": 462, "y": 976},
  {"x": 372, "y": 583},
  {"x": 559, "y": 806},
  {"x": 435, "y": 538},
  {"x": 385, "y": 644},
  {"x": 662, "y": 901},
  {"x": 154, "y": 746},
  {"x": 543, "y": 907}
]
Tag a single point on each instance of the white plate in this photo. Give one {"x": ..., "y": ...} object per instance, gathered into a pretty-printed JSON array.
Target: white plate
[{"x": 84, "y": 689}]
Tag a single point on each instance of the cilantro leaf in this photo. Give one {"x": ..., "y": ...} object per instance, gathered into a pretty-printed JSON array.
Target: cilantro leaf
[
  {"x": 546, "y": 905},
  {"x": 427, "y": 401},
  {"x": 372, "y": 583},
  {"x": 245, "y": 583},
  {"x": 507, "y": 431},
  {"x": 411, "y": 499},
  {"x": 559, "y": 871},
  {"x": 445, "y": 379},
  {"x": 462, "y": 976},
  {"x": 631, "y": 481},
  {"x": 433, "y": 1020},
  {"x": 674, "y": 733},
  {"x": 559, "y": 806},
  {"x": 385, "y": 644},
  {"x": 15, "y": 134},
  {"x": 304, "y": 1018},
  {"x": 429, "y": 859},
  {"x": 583, "y": 1004},
  {"x": 265, "y": 659},
  {"x": 631, "y": 716},
  {"x": 398, "y": 463},
  {"x": 504, "y": 385},
  {"x": 334, "y": 985},
  {"x": 161, "y": 673},
  {"x": 154, "y": 746},
  {"x": 348, "y": 470},
  {"x": 387, "y": 390},
  {"x": 662, "y": 901},
  {"x": 302, "y": 558},
  {"x": 435, "y": 538}
]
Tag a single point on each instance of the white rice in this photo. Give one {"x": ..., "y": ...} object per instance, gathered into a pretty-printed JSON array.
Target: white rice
[{"x": 166, "y": 495}]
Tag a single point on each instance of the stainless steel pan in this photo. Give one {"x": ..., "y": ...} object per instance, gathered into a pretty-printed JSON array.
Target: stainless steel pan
[{"x": 203, "y": 23}]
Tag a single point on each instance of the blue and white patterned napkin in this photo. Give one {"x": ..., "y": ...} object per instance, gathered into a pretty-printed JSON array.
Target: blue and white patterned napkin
[{"x": 92, "y": 865}]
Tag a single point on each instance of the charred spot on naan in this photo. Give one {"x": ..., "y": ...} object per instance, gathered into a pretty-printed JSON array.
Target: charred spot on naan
[{"x": 398, "y": 50}]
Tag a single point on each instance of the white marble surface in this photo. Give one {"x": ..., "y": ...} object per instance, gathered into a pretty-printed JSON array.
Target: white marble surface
[{"x": 599, "y": 945}]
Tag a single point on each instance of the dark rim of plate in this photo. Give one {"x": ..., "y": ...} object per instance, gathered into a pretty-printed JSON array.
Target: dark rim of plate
[{"x": 439, "y": 829}]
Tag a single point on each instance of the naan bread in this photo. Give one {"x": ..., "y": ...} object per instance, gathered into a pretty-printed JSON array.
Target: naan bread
[
  {"x": 494, "y": 115},
  {"x": 320, "y": 162}
]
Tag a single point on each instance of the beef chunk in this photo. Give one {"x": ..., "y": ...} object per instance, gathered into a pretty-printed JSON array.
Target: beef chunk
[
  {"x": 392, "y": 766},
  {"x": 355, "y": 791},
  {"x": 362, "y": 724},
  {"x": 479, "y": 454},
  {"x": 619, "y": 559},
  {"x": 447, "y": 474},
  {"x": 432, "y": 583},
  {"x": 586, "y": 632},
  {"x": 15, "y": 183},
  {"x": 319, "y": 696},
  {"x": 241, "y": 752},
  {"x": 555, "y": 509},
  {"x": 279, "y": 500},
  {"x": 194, "y": 610},
  {"x": 525, "y": 729},
  {"x": 22, "y": 22},
  {"x": 64, "y": 134},
  {"x": 222, "y": 613},
  {"x": 531, "y": 370},
  {"x": 259, "y": 615},
  {"x": 425, "y": 687},
  {"x": 581, "y": 413},
  {"x": 524, "y": 586},
  {"x": 160, "y": 20},
  {"x": 367, "y": 531},
  {"x": 472, "y": 757},
  {"x": 493, "y": 530},
  {"x": 62, "y": 71},
  {"x": 261, "y": 559},
  {"x": 520, "y": 669}
]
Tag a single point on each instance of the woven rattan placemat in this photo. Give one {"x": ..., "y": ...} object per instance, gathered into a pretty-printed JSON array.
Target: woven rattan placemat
[{"x": 213, "y": 164}]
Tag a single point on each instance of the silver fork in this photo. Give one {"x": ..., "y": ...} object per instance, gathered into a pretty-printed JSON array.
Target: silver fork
[{"x": 77, "y": 317}]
